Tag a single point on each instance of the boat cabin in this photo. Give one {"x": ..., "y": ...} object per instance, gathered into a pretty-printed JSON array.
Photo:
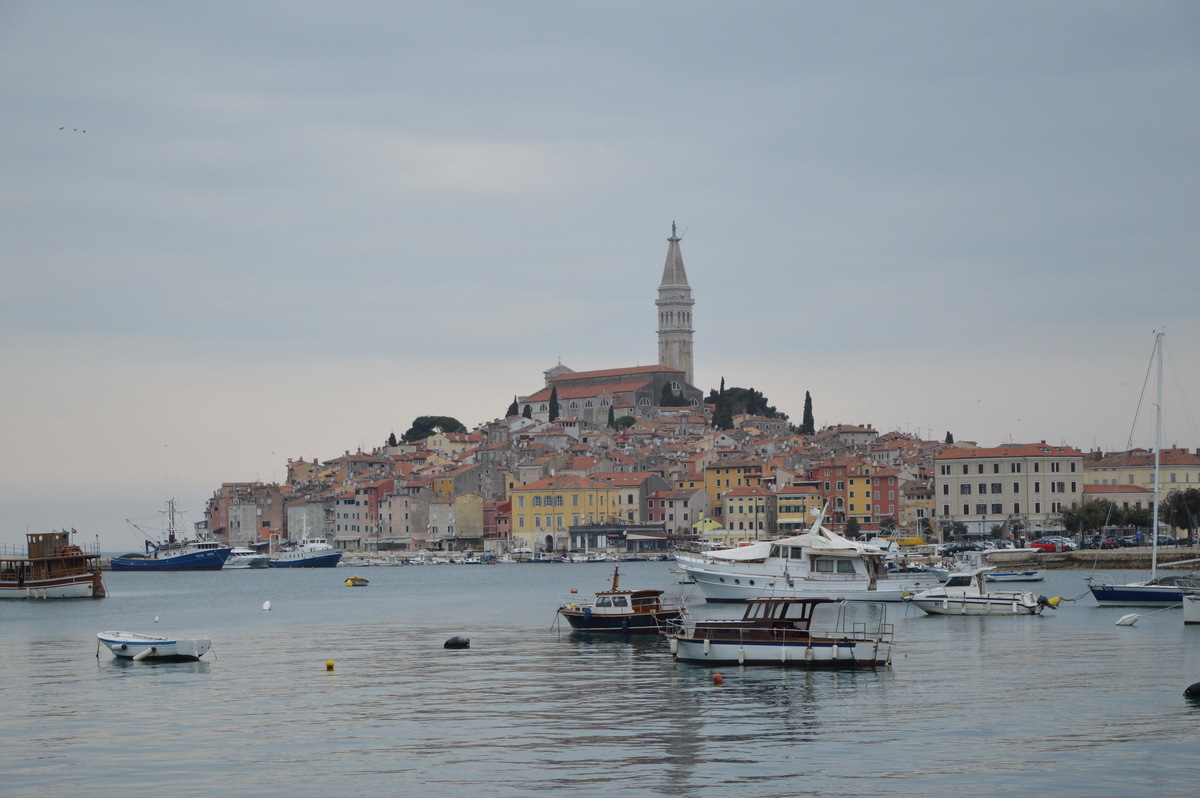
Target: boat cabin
[{"x": 628, "y": 601}]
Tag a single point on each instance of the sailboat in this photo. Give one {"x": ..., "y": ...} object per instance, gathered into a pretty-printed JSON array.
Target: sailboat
[{"x": 1157, "y": 591}]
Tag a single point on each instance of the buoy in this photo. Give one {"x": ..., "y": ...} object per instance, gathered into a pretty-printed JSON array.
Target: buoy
[
  {"x": 266, "y": 605},
  {"x": 156, "y": 619},
  {"x": 1193, "y": 691},
  {"x": 674, "y": 645},
  {"x": 574, "y": 590},
  {"x": 1128, "y": 620},
  {"x": 718, "y": 678},
  {"x": 458, "y": 642}
]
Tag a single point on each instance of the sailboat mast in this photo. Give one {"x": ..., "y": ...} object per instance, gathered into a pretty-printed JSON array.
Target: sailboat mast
[{"x": 1158, "y": 411}]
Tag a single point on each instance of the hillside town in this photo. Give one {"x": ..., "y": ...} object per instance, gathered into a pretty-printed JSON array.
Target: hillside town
[{"x": 633, "y": 461}]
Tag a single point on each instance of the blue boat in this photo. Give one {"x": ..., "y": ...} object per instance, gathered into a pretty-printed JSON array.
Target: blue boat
[{"x": 173, "y": 554}]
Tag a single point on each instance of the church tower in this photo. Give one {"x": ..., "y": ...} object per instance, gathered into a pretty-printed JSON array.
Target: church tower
[{"x": 675, "y": 312}]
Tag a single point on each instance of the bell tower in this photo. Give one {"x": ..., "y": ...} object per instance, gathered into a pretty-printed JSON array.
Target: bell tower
[{"x": 675, "y": 312}]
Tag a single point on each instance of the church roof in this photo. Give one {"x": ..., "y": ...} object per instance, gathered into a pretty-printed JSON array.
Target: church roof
[
  {"x": 591, "y": 375},
  {"x": 586, "y": 391}
]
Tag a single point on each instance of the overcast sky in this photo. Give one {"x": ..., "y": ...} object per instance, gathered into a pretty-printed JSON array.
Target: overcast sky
[{"x": 290, "y": 227}]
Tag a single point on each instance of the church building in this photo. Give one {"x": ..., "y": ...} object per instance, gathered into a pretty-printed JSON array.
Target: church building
[{"x": 588, "y": 396}]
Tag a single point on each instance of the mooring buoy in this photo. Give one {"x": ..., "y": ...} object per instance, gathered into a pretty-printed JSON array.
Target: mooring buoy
[{"x": 458, "y": 641}]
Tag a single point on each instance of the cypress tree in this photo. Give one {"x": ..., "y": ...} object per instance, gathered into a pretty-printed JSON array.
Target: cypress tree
[
  {"x": 527, "y": 412},
  {"x": 554, "y": 403},
  {"x": 807, "y": 425},
  {"x": 513, "y": 409},
  {"x": 611, "y": 416},
  {"x": 949, "y": 437}
]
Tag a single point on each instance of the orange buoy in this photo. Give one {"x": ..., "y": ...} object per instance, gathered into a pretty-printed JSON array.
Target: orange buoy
[
  {"x": 574, "y": 590},
  {"x": 718, "y": 678}
]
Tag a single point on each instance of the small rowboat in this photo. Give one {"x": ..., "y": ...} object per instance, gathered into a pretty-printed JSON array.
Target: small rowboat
[
  {"x": 138, "y": 647},
  {"x": 356, "y": 581}
]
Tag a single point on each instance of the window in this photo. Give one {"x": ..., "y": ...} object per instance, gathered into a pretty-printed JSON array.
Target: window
[
  {"x": 537, "y": 501},
  {"x": 981, "y": 509},
  {"x": 1016, "y": 468},
  {"x": 996, "y": 488},
  {"x": 979, "y": 469},
  {"x": 995, "y": 468},
  {"x": 964, "y": 489},
  {"x": 996, "y": 510},
  {"x": 945, "y": 490},
  {"x": 1016, "y": 508},
  {"x": 982, "y": 488},
  {"x": 1016, "y": 487}
]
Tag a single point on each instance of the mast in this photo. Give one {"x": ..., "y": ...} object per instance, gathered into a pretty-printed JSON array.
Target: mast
[{"x": 1158, "y": 409}]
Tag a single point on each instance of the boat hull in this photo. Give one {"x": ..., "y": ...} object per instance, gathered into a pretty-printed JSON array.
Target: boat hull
[
  {"x": 735, "y": 586},
  {"x": 1137, "y": 595},
  {"x": 811, "y": 654},
  {"x": 321, "y": 560},
  {"x": 134, "y": 646},
  {"x": 206, "y": 560},
  {"x": 587, "y": 620},
  {"x": 79, "y": 586},
  {"x": 977, "y": 605}
]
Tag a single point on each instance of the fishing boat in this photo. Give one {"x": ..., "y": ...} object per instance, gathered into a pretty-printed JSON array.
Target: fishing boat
[
  {"x": 816, "y": 564},
  {"x": 1157, "y": 591},
  {"x": 776, "y": 631},
  {"x": 50, "y": 567},
  {"x": 169, "y": 552},
  {"x": 969, "y": 593},
  {"x": 138, "y": 647},
  {"x": 616, "y": 610},
  {"x": 308, "y": 553},
  {"x": 245, "y": 558}
]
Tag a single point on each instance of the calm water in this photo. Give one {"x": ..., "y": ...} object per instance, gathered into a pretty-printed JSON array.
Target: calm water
[{"x": 1066, "y": 704}]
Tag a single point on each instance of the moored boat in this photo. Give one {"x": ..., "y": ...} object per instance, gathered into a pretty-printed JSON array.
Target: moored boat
[
  {"x": 968, "y": 593},
  {"x": 245, "y": 558},
  {"x": 138, "y": 647},
  {"x": 817, "y": 564},
  {"x": 775, "y": 631},
  {"x": 308, "y": 553},
  {"x": 50, "y": 567},
  {"x": 357, "y": 581},
  {"x": 171, "y": 553},
  {"x": 1191, "y": 607},
  {"x": 616, "y": 610}
]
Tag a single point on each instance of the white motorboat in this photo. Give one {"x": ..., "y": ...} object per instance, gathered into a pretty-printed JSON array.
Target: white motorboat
[
  {"x": 1006, "y": 564},
  {"x": 968, "y": 593},
  {"x": 781, "y": 632},
  {"x": 138, "y": 647},
  {"x": 246, "y": 558},
  {"x": 308, "y": 553},
  {"x": 817, "y": 564}
]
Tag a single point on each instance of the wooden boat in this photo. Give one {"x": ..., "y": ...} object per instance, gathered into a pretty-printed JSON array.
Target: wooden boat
[
  {"x": 138, "y": 647},
  {"x": 779, "y": 631},
  {"x": 50, "y": 567},
  {"x": 969, "y": 593},
  {"x": 616, "y": 610}
]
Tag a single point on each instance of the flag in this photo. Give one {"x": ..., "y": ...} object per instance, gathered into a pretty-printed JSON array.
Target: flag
[{"x": 73, "y": 532}]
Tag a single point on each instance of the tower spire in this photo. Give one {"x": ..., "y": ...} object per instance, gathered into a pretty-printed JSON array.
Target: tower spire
[{"x": 675, "y": 312}]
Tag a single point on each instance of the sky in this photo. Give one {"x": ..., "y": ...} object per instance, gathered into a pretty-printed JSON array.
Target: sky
[{"x": 234, "y": 233}]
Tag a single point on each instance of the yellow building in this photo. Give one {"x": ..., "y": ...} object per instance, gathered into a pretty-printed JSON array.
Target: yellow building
[
  {"x": 722, "y": 477},
  {"x": 543, "y": 510},
  {"x": 794, "y": 508}
]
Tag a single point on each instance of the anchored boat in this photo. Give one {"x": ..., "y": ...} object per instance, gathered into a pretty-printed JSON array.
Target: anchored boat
[{"x": 138, "y": 647}]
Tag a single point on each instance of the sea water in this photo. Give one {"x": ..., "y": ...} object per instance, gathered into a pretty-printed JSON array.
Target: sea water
[{"x": 1066, "y": 703}]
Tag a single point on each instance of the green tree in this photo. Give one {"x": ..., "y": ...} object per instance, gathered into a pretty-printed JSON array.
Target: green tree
[
  {"x": 623, "y": 423},
  {"x": 949, "y": 437},
  {"x": 1091, "y": 515},
  {"x": 391, "y": 441},
  {"x": 807, "y": 425},
  {"x": 887, "y": 525},
  {"x": 527, "y": 412},
  {"x": 424, "y": 426},
  {"x": 513, "y": 409},
  {"x": 554, "y": 403},
  {"x": 852, "y": 528},
  {"x": 1181, "y": 509},
  {"x": 611, "y": 416}
]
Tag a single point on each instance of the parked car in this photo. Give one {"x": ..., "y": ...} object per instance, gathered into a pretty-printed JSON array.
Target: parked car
[
  {"x": 960, "y": 545},
  {"x": 1102, "y": 543},
  {"x": 1053, "y": 544},
  {"x": 1167, "y": 540}
]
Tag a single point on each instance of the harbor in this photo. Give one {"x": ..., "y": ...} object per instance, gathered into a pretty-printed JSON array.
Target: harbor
[{"x": 351, "y": 691}]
